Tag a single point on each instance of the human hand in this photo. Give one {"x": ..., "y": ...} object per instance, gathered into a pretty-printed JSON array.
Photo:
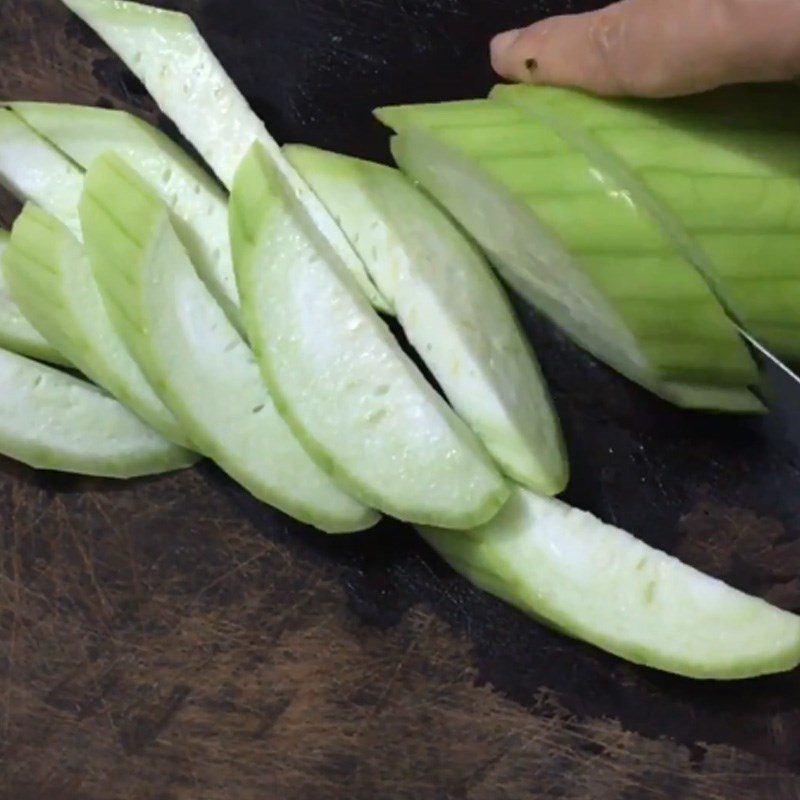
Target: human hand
[{"x": 657, "y": 48}]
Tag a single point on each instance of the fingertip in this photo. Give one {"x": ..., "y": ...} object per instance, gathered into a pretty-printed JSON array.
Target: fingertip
[
  {"x": 501, "y": 50},
  {"x": 577, "y": 50},
  {"x": 503, "y": 41}
]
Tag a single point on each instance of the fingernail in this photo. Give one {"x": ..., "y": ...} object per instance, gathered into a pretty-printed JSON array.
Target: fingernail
[{"x": 503, "y": 41}]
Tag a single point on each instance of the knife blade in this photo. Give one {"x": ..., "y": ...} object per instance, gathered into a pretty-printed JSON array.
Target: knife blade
[{"x": 768, "y": 354}]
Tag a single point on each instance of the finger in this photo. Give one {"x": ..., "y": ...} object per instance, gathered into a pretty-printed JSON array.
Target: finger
[{"x": 657, "y": 48}]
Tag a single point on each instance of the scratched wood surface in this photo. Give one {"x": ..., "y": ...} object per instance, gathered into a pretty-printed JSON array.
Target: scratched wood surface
[{"x": 172, "y": 639}]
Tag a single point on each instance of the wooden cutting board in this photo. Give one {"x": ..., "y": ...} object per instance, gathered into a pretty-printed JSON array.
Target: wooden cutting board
[{"x": 172, "y": 639}]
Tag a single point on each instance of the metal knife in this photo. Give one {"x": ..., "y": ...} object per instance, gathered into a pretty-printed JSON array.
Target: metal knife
[{"x": 767, "y": 353}]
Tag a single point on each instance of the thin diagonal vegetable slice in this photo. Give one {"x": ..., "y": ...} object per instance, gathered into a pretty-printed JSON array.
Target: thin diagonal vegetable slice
[
  {"x": 453, "y": 311},
  {"x": 51, "y": 420},
  {"x": 600, "y": 584},
  {"x": 16, "y": 333},
  {"x": 32, "y": 169}
]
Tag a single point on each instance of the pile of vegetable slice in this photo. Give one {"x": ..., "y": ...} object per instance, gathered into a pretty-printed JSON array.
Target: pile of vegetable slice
[{"x": 247, "y": 328}]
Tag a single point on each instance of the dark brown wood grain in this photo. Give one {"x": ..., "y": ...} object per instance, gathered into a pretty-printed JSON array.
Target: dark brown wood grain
[
  {"x": 172, "y": 639},
  {"x": 151, "y": 654}
]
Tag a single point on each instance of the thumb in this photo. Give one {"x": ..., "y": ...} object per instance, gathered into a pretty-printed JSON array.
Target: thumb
[{"x": 656, "y": 48}]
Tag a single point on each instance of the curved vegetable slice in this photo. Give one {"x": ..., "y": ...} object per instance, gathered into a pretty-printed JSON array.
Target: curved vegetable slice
[
  {"x": 194, "y": 356},
  {"x": 452, "y": 308},
  {"x": 600, "y": 584},
  {"x": 166, "y": 52},
  {"x": 357, "y": 401},
  {"x": 51, "y": 420},
  {"x": 728, "y": 195},
  {"x": 16, "y": 333},
  {"x": 567, "y": 237},
  {"x": 199, "y": 205},
  {"x": 733, "y": 400},
  {"x": 50, "y": 278},
  {"x": 32, "y": 169}
]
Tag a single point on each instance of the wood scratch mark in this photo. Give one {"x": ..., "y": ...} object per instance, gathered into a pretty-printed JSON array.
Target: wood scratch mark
[
  {"x": 106, "y": 608},
  {"x": 12, "y": 646},
  {"x": 238, "y": 568},
  {"x": 144, "y": 729}
]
